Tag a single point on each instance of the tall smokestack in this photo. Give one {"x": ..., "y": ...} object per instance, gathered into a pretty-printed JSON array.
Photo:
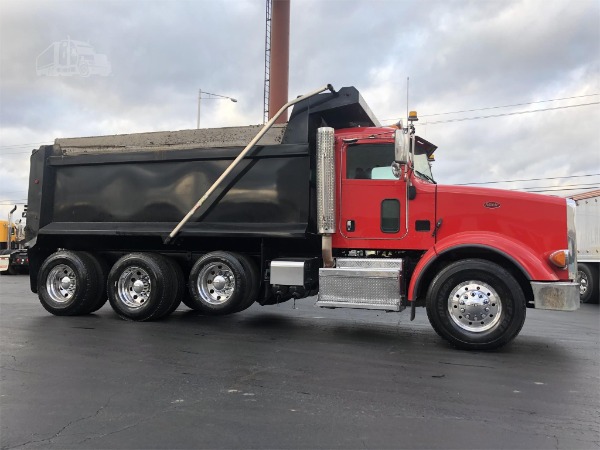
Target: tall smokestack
[{"x": 280, "y": 58}]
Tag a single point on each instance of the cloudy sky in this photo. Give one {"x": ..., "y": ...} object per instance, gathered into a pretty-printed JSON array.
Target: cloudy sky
[{"x": 487, "y": 58}]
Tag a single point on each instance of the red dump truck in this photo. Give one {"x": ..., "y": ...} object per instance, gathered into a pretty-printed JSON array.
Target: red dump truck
[{"x": 331, "y": 204}]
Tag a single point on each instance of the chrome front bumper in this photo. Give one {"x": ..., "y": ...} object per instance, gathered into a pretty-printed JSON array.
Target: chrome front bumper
[{"x": 558, "y": 296}]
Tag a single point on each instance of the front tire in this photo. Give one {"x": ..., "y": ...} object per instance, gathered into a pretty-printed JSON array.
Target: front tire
[
  {"x": 70, "y": 283},
  {"x": 476, "y": 305},
  {"x": 142, "y": 286}
]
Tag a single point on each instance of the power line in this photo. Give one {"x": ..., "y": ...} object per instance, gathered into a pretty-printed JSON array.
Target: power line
[
  {"x": 564, "y": 186},
  {"x": 26, "y": 152},
  {"x": 498, "y": 107},
  {"x": 23, "y": 145},
  {"x": 512, "y": 113},
  {"x": 530, "y": 179},
  {"x": 558, "y": 190},
  {"x": 509, "y": 114}
]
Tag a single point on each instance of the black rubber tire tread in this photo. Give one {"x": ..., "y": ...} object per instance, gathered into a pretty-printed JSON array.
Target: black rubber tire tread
[
  {"x": 591, "y": 273},
  {"x": 510, "y": 293},
  {"x": 12, "y": 270},
  {"x": 197, "y": 303},
  {"x": 88, "y": 291},
  {"x": 180, "y": 285},
  {"x": 189, "y": 301},
  {"x": 253, "y": 277},
  {"x": 162, "y": 278},
  {"x": 102, "y": 269}
]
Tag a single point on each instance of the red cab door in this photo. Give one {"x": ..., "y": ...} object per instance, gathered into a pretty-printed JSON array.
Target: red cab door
[{"x": 373, "y": 201}]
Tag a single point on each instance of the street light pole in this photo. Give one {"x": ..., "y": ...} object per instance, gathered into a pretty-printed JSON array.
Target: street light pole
[
  {"x": 211, "y": 97},
  {"x": 199, "y": 106}
]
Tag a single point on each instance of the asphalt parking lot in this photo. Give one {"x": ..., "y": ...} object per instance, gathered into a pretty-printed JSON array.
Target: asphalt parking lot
[{"x": 279, "y": 377}]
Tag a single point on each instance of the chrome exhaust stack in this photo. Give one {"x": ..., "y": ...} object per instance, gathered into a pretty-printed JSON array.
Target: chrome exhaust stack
[{"x": 326, "y": 191}]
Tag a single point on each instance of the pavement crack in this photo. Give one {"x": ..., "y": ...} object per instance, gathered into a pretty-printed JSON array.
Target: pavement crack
[
  {"x": 465, "y": 365},
  {"x": 127, "y": 427},
  {"x": 69, "y": 424}
]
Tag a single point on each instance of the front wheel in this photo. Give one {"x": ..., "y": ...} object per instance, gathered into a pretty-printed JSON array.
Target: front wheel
[{"x": 476, "y": 305}]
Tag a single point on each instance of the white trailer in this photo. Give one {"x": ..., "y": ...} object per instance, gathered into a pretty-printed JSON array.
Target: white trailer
[{"x": 587, "y": 222}]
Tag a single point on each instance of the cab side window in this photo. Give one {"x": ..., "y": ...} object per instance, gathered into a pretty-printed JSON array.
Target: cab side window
[{"x": 369, "y": 161}]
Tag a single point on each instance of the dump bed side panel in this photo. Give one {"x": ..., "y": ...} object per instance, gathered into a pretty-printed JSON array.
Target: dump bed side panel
[{"x": 149, "y": 192}]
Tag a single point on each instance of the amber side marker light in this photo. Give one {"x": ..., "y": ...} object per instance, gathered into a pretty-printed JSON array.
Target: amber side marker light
[{"x": 559, "y": 258}]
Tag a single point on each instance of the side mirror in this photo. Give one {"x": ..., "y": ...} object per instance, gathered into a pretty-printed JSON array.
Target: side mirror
[{"x": 401, "y": 147}]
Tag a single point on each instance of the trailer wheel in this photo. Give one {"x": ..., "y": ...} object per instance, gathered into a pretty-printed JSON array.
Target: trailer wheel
[
  {"x": 142, "y": 286},
  {"x": 218, "y": 284},
  {"x": 476, "y": 305},
  {"x": 69, "y": 283},
  {"x": 252, "y": 275},
  {"x": 588, "y": 283}
]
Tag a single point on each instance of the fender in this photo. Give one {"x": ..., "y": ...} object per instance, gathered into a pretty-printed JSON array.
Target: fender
[{"x": 530, "y": 264}]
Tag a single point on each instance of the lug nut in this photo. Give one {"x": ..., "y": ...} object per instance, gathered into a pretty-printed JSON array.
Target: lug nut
[{"x": 462, "y": 309}]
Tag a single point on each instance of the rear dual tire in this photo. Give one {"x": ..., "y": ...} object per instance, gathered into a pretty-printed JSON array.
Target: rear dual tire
[
  {"x": 71, "y": 283},
  {"x": 144, "y": 286},
  {"x": 222, "y": 283}
]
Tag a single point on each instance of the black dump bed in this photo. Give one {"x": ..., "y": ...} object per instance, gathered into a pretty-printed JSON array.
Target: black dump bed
[{"x": 125, "y": 188}]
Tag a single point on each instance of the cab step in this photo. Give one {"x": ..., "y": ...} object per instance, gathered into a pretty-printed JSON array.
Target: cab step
[{"x": 366, "y": 283}]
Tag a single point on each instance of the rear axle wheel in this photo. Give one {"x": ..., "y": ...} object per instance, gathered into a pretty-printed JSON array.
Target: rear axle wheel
[{"x": 218, "y": 284}]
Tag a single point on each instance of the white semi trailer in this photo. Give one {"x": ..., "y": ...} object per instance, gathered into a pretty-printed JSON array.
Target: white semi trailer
[{"x": 587, "y": 219}]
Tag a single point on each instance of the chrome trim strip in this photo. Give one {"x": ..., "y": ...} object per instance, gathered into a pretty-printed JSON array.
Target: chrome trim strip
[{"x": 329, "y": 304}]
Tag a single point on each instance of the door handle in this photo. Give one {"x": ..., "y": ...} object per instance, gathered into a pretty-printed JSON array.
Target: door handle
[{"x": 349, "y": 225}]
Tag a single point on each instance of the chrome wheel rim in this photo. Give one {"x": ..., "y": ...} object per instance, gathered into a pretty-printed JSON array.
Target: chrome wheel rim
[
  {"x": 216, "y": 283},
  {"x": 583, "y": 282},
  {"x": 134, "y": 287},
  {"x": 475, "y": 306},
  {"x": 61, "y": 283}
]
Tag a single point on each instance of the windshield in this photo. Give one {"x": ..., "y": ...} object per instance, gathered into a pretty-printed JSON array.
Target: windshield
[{"x": 423, "y": 167}]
